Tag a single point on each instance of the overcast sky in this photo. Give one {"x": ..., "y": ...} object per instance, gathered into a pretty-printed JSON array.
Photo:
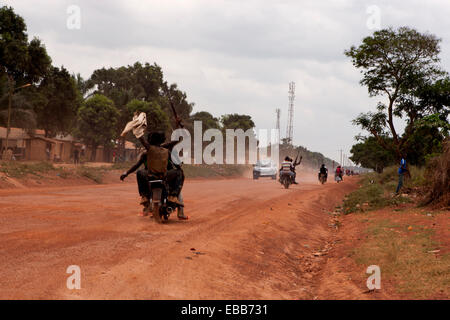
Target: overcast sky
[{"x": 239, "y": 56}]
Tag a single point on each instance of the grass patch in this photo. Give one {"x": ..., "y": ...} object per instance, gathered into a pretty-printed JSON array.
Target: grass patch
[
  {"x": 377, "y": 190},
  {"x": 122, "y": 165},
  {"x": 94, "y": 174},
  {"x": 403, "y": 256},
  {"x": 19, "y": 169}
]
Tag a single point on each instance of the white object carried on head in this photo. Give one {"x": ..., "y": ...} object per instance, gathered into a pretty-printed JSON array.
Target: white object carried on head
[{"x": 138, "y": 125}]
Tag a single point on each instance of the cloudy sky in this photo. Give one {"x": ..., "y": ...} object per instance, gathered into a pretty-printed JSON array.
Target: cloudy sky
[{"x": 239, "y": 56}]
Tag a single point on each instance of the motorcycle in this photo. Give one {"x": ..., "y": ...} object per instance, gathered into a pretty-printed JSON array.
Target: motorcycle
[
  {"x": 337, "y": 178},
  {"x": 160, "y": 207},
  {"x": 322, "y": 178},
  {"x": 285, "y": 180}
]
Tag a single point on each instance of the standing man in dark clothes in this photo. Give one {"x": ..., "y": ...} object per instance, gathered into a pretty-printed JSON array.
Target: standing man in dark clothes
[{"x": 76, "y": 156}]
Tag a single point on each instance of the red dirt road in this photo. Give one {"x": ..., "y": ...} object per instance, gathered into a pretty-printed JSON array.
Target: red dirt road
[{"x": 252, "y": 240}]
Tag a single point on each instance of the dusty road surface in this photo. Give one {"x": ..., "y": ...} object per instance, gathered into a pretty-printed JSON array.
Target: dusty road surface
[{"x": 245, "y": 240}]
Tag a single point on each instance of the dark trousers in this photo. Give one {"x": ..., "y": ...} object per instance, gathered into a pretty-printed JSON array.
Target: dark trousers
[
  {"x": 400, "y": 182},
  {"x": 142, "y": 182},
  {"x": 175, "y": 180}
]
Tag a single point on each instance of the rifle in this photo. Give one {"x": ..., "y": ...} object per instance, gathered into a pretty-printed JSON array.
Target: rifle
[
  {"x": 177, "y": 119},
  {"x": 295, "y": 161}
]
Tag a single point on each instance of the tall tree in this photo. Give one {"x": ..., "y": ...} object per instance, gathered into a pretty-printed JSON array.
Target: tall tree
[
  {"x": 22, "y": 61},
  {"x": 57, "y": 105},
  {"x": 97, "y": 119},
  {"x": 157, "y": 119},
  {"x": 141, "y": 82},
  {"x": 395, "y": 64}
]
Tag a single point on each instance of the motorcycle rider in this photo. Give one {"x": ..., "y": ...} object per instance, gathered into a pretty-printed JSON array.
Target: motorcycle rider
[
  {"x": 287, "y": 168},
  {"x": 339, "y": 173},
  {"x": 142, "y": 180},
  {"x": 158, "y": 162},
  {"x": 323, "y": 170}
]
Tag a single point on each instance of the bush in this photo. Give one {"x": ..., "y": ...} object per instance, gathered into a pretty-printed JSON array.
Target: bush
[{"x": 438, "y": 173}]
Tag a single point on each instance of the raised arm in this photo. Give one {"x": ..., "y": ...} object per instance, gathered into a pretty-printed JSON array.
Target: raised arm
[
  {"x": 133, "y": 168},
  {"x": 144, "y": 143},
  {"x": 296, "y": 163}
]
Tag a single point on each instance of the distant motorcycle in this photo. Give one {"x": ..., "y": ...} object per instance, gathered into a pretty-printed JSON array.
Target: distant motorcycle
[
  {"x": 322, "y": 178},
  {"x": 285, "y": 179},
  {"x": 160, "y": 207},
  {"x": 337, "y": 178}
]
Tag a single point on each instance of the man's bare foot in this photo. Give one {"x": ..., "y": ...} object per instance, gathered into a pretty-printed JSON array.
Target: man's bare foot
[
  {"x": 144, "y": 201},
  {"x": 174, "y": 199}
]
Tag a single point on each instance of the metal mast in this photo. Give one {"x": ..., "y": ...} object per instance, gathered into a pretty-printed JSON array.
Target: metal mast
[
  {"x": 290, "y": 123},
  {"x": 278, "y": 111}
]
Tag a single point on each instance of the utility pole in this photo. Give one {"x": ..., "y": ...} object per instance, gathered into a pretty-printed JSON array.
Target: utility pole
[
  {"x": 8, "y": 125},
  {"x": 290, "y": 123},
  {"x": 278, "y": 111}
]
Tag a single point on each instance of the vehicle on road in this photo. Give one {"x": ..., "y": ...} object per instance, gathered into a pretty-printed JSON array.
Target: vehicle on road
[
  {"x": 160, "y": 207},
  {"x": 265, "y": 168},
  {"x": 286, "y": 179}
]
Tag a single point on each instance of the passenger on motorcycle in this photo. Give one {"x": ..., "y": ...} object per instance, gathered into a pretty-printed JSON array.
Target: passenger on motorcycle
[
  {"x": 339, "y": 173},
  {"x": 287, "y": 168}
]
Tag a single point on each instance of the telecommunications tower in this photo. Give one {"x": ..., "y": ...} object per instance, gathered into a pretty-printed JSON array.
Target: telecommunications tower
[{"x": 290, "y": 123}]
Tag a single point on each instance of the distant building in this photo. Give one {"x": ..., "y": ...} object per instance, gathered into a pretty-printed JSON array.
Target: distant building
[{"x": 33, "y": 145}]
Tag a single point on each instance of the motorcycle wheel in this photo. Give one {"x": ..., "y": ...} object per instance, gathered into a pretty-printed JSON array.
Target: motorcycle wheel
[{"x": 286, "y": 184}]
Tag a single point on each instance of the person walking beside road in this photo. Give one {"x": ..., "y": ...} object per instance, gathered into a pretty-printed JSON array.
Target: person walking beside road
[
  {"x": 402, "y": 170},
  {"x": 76, "y": 156}
]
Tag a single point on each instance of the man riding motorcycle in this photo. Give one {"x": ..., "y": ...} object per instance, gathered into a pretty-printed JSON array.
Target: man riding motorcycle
[
  {"x": 339, "y": 173},
  {"x": 158, "y": 163},
  {"x": 323, "y": 170},
  {"x": 288, "y": 167}
]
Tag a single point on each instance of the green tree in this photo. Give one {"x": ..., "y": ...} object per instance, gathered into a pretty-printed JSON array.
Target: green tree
[
  {"x": 97, "y": 119},
  {"x": 22, "y": 61},
  {"x": 369, "y": 154},
  {"x": 237, "y": 121},
  {"x": 157, "y": 119},
  {"x": 395, "y": 64},
  {"x": 123, "y": 84},
  {"x": 427, "y": 139},
  {"x": 57, "y": 105},
  {"x": 207, "y": 119},
  {"x": 22, "y": 114}
]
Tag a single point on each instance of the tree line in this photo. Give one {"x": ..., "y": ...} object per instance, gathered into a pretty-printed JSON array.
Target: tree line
[{"x": 94, "y": 110}]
